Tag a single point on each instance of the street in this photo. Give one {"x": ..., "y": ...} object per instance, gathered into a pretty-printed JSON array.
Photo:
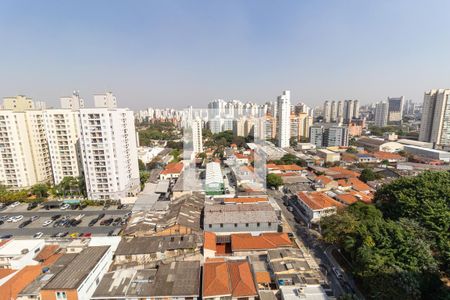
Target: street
[{"x": 318, "y": 251}]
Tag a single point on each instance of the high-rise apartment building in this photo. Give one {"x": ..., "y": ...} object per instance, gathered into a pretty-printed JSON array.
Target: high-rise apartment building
[
  {"x": 74, "y": 101},
  {"x": 283, "y": 119},
  {"x": 62, "y": 127},
  {"x": 18, "y": 103},
  {"x": 356, "y": 109},
  {"x": 327, "y": 112},
  {"x": 435, "y": 124},
  {"x": 109, "y": 153},
  {"x": 381, "y": 114},
  {"x": 340, "y": 112},
  {"x": 349, "y": 110},
  {"x": 333, "y": 111},
  {"x": 24, "y": 158},
  {"x": 197, "y": 138},
  {"x": 107, "y": 100},
  {"x": 328, "y": 136},
  {"x": 395, "y": 109},
  {"x": 316, "y": 134}
]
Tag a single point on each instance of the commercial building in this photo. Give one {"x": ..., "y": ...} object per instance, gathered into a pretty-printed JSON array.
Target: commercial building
[
  {"x": 251, "y": 218},
  {"x": 329, "y": 156},
  {"x": 395, "y": 110},
  {"x": 81, "y": 276},
  {"x": 428, "y": 153},
  {"x": 381, "y": 114},
  {"x": 109, "y": 152},
  {"x": 283, "y": 119},
  {"x": 435, "y": 124},
  {"x": 214, "y": 184},
  {"x": 63, "y": 131}
]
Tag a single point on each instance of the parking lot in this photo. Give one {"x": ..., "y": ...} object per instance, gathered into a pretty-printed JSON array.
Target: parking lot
[{"x": 42, "y": 215}]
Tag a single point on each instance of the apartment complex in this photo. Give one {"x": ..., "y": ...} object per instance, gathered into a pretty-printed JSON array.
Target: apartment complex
[
  {"x": 109, "y": 153},
  {"x": 283, "y": 119},
  {"x": 328, "y": 136},
  {"x": 381, "y": 114},
  {"x": 435, "y": 124},
  {"x": 395, "y": 110}
]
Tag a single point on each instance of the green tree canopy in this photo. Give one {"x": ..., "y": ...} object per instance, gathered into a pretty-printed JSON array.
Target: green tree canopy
[
  {"x": 368, "y": 175},
  {"x": 273, "y": 180}
]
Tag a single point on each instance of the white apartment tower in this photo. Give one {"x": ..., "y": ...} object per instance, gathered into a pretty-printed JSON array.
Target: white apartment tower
[
  {"x": 72, "y": 102},
  {"x": 62, "y": 127},
  {"x": 107, "y": 100},
  {"x": 109, "y": 152},
  {"x": 435, "y": 124},
  {"x": 197, "y": 139},
  {"x": 340, "y": 112},
  {"x": 356, "y": 109},
  {"x": 333, "y": 111},
  {"x": 24, "y": 159},
  {"x": 283, "y": 119},
  {"x": 327, "y": 112},
  {"x": 381, "y": 114}
]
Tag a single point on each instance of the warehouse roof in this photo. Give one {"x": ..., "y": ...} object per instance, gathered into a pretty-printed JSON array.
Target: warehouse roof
[
  {"x": 145, "y": 245},
  {"x": 261, "y": 212}
]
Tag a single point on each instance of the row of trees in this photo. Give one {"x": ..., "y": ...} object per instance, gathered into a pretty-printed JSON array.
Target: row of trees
[
  {"x": 399, "y": 248},
  {"x": 158, "y": 131}
]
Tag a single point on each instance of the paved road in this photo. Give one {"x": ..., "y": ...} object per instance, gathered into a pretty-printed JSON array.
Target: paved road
[{"x": 314, "y": 246}]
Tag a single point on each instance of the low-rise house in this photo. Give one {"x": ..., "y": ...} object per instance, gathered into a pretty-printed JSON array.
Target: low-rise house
[
  {"x": 312, "y": 206},
  {"x": 366, "y": 158},
  {"x": 329, "y": 156},
  {"x": 245, "y": 200},
  {"x": 352, "y": 196},
  {"x": 80, "y": 278},
  {"x": 283, "y": 169},
  {"x": 15, "y": 254},
  {"x": 146, "y": 250},
  {"x": 324, "y": 183},
  {"x": 171, "y": 171},
  {"x": 176, "y": 280},
  {"x": 390, "y": 157},
  {"x": 228, "y": 280},
  {"x": 244, "y": 244},
  {"x": 251, "y": 218}
]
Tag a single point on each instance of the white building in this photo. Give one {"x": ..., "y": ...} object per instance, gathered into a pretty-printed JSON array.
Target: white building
[
  {"x": 435, "y": 124},
  {"x": 109, "y": 153},
  {"x": 197, "y": 138},
  {"x": 381, "y": 114},
  {"x": 283, "y": 119},
  {"x": 72, "y": 102},
  {"x": 327, "y": 112},
  {"x": 62, "y": 127},
  {"x": 107, "y": 100},
  {"x": 18, "y": 103},
  {"x": 24, "y": 159},
  {"x": 16, "y": 254}
]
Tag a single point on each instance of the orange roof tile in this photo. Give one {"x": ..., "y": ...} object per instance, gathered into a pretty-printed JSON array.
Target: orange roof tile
[
  {"x": 228, "y": 278},
  {"x": 347, "y": 198},
  {"x": 324, "y": 179},
  {"x": 6, "y": 272},
  {"x": 387, "y": 155},
  {"x": 318, "y": 200},
  {"x": 263, "y": 277},
  {"x": 20, "y": 280},
  {"x": 173, "y": 168},
  {"x": 245, "y": 241},
  {"x": 209, "y": 240},
  {"x": 343, "y": 183},
  {"x": 46, "y": 252},
  {"x": 343, "y": 172},
  {"x": 359, "y": 185}
]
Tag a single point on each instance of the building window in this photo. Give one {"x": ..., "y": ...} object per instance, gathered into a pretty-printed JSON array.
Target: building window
[
  {"x": 61, "y": 296},
  {"x": 221, "y": 225},
  {"x": 270, "y": 224},
  {"x": 210, "y": 225},
  {"x": 235, "y": 224},
  {"x": 257, "y": 224},
  {"x": 246, "y": 224}
]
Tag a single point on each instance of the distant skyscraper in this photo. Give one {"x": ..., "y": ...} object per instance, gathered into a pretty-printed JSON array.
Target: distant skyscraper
[
  {"x": 283, "y": 119},
  {"x": 395, "y": 109},
  {"x": 72, "y": 102},
  {"x": 435, "y": 124},
  {"x": 348, "y": 110},
  {"x": 107, "y": 100},
  {"x": 333, "y": 111},
  {"x": 324, "y": 136},
  {"x": 197, "y": 138},
  {"x": 327, "y": 112},
  {"x": 340, "y": 112},
  {"x": 356, "y": 109},
  {"x": 381, "y": 114}
]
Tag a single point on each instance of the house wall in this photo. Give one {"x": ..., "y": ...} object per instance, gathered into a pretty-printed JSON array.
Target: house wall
[
  {"x": 51, "y": 294},
  {"x": 242, "y": 227}
]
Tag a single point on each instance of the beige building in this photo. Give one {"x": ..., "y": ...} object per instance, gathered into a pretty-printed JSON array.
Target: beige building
[
  {"x": 18, "y": 103},
  {"x": 435, "y": 124}
]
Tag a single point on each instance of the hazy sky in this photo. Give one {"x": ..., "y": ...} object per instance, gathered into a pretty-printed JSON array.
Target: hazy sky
[{"x": 178, "y": 53}]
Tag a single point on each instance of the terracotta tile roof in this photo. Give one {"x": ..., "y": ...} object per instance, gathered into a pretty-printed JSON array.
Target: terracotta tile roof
[
  {"x": 263, "y": 277},
  {"x": 292, "y": 167},
  {"x": 342, "y": 172},
  {"x": 387, "y": 155},
  {"x": 323, "y": 179},
  {"x": 233, "y": 278},
  {"x": 354, "y": 196},
  {"x": 347, "y": 198},
  {"x": 173, "y": 168},
  {"x": 209, "y": 240},
  {"x": 245, "y": 241},
  {"x": 358, "y": 185},
  {"x": 245, "y": 200},
  {"x": 6, "y": 272},
  {"x": 318, "y": 200},
  {"x": 343, "y": 183},
  {"x": 20, "y": 280},
  {"x": 46, "y": 252}
]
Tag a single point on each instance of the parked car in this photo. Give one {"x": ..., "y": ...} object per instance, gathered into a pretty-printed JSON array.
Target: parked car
[
  {"x": 4, "y": 218},
  {"x": 74, "y": 235},
  {"x": 6, "y": 236},
  {"x": 38, "y": 235},
  {"x": 24, "y": 223},
  {"x": 55, "y": 217},
  {"x": 46, "y": 223},
  {"x": 87, "y": 234},
  {"x": 34, "y": 218},
  {"x": 100, "y": 216},
  {"x": 17, "y": 203},
  {"x": 107, "y": 222},
  {"x": 62, "y": 234},
  {"x": 110, "y": 233},
  {"x": 1, "y": 222},
  {"x": 289, "y": 208},
  {"x": 92, "y": 222},
  {"x": 32, "y": 205},
  {"x": 65, "y": 206},
  {"x": 83, "y": 206}
]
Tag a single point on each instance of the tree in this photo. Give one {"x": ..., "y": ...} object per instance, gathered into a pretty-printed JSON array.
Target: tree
[
  {"x": 424, "y": 199},
  {"x": 351, "y": 150},
  {"x": 273, "y": 180},
  {"x": 68, "y": 186},
  {"x": 39, "y": 190},
  {"x": 143, "y": 177},
  {"x": 142, "y": 166},
  {"x": 368, "y": 175}
]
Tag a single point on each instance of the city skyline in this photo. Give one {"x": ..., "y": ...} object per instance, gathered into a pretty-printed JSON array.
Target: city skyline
[{"x": 357, "y": 50}]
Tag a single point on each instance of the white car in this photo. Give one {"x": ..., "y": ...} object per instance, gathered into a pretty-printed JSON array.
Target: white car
[
  {"x": 65, "y": 206},
  {"x": 48, "y": 222},
  {"x": 17, "y": 203},
  {"x": 38, "y": 235},
  {"x": 17, "y": 219}
]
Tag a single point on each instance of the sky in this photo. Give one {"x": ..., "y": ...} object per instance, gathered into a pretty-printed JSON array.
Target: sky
[{"x": 178, "y": 53}]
